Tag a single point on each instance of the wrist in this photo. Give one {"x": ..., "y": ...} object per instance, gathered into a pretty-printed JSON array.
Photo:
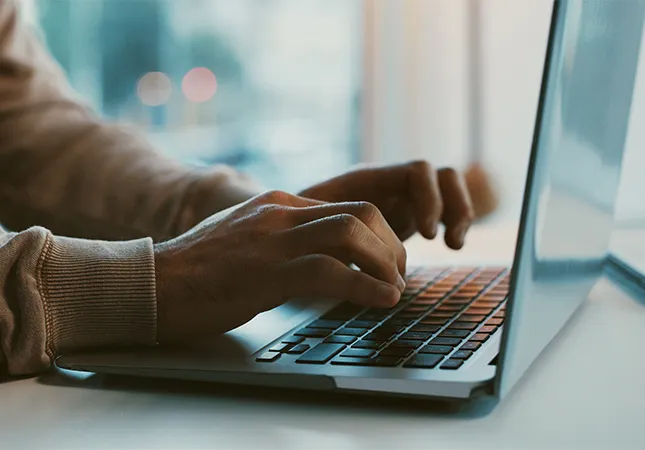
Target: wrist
[
  {"x": 163, "y": 284},
  {"x": 218, "y": 189}
]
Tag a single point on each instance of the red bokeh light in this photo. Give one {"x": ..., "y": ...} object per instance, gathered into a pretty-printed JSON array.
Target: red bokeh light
[{"x": 199, "y": 85}]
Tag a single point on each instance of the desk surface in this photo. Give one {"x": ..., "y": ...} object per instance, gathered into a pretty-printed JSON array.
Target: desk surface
[{"x": 585, "y": 391}]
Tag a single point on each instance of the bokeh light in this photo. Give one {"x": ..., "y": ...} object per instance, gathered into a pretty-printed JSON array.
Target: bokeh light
[
  {"x": 199, "y": 85},
  {"x": 154, "y": 89}
]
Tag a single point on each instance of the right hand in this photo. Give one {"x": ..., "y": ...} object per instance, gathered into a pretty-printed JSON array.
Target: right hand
[{"x": 268, "y": 250}]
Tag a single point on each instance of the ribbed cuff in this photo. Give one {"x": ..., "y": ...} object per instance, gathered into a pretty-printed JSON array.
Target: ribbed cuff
[{"x": 98, "y": 294}]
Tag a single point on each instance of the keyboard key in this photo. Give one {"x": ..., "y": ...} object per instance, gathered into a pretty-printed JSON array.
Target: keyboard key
[
  {"x": 384, "y": 361},
  {"x": 452, "y": 364},
  {"x": 395, "y": 324},
  {"x": 342, "y": 361},
  {"x": 329, "y": 324},
  {"x": 433, "y": 321},
  {"x": 425, "y": 328},
  {"x": 416, "y": 308},
  {"x": 351, "y": 332},
  {"x": 379, "y": 361},
  {"x": 470, "y": 345},
  {"x": 449, "y": 308},
  {"x": 340, "y": 339},
  {"x": 416, "y": 336},
  {"x": 379, "y": 337},
  {"x": 368, "y": 344},
  {"x": 320, "y": 354},
  {"x": 437, "y": 349},
  {"x": 406, "y": 343},
  {"x": 498, "y": 291},
  {"x": 454, "y": 333},
  {"x": 298, "y": 349},
  {"x": 495, "y": 322},
  {"x": 293, "y": 340},
  {"x": 362, "y": 324},
  {"x": 436, "y": 315},
  {"x": 374, "y": 315},
  {"x": 479, "y": 337},
  {"x": 388, "y": 329},
  {"x": 493, "y": 301},
  {"x": 343, "y": 311},
  {"x": 479, "y": 311},
  {"x": 489, "y": 329},
  {"x": 409, "y": 315},
  {"x": 425, "y": 361},
  {"x": 268, "y": 357},
  {"x": 313, "y": 332},
  {"x": 462, "y": 354},
  {"x": 484, "y": 304},
  {"x": 440, "y": 289},
  {"x": 357, "y": 353},
  {"x": 463, "y": 325},
  {"x": 401, "y": 352},
  {"x": 420, "y": 301},
  {"x": 280, "y": 347},
  {"x": 471, "y": 318},
  {"x": 446, "y": 341}
]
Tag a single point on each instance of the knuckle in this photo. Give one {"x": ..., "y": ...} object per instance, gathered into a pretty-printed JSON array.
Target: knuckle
[
  {"x": 449, "y": 173},
  {"x": 318, "y": 263},
  {"x": 275, "y": 196},
  {"x": 274, "y": 213},
  {"x": 421, "y": 165},
  {"x": 367, "y": 211}
]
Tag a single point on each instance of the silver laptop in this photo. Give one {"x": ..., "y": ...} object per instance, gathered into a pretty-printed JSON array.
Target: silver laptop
[
  {"x": 626, "y": 262},
  {"x": 461, "y": 333}
]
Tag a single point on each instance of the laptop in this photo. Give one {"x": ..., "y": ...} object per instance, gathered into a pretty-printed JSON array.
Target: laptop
[
  {"x": 626, "y": 262},
  {"x": 460, "y": 333}
]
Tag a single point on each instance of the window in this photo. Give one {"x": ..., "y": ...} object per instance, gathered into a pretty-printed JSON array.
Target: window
[{"x": 271, "y": 87}]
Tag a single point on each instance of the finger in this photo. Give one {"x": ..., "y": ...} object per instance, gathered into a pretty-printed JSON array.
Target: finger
[
  {"x": 276, "y": 197},
  {"x": 458, "y": 211},
  {"x": 323, "y": 277},
  {"x": 423, "y": 189},
  {"x": 349, "y": 240},
  {"x": 367, "y": 213}
]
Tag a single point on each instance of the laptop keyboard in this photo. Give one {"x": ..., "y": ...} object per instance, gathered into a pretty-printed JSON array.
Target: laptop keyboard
[{"x": 443, "y": 318}]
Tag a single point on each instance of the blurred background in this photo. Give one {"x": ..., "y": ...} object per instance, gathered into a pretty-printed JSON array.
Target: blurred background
[{"x": 294, "y": 91}]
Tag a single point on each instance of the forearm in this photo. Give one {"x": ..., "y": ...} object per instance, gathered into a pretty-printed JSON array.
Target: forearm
[
  {"x": 60, "y": 295},
  {"x": 63, "y": 168}
]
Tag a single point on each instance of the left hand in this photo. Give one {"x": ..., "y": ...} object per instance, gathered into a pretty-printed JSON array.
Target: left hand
[{"x": 412, "y": 197}]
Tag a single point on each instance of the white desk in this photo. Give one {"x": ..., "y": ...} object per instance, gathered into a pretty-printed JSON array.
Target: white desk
[{"x": 586, "y": 391}]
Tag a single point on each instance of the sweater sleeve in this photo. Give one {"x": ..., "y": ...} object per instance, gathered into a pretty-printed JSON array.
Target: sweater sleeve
[
  {"x": 60, "y": 295},
  {"x": 63, "y": 168}
]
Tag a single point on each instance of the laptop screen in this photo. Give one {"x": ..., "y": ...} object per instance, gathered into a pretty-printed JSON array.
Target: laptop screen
[{"x": 574, "y": 173}]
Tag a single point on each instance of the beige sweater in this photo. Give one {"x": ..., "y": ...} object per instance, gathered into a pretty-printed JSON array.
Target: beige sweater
[{"x": 63, "y": 170}]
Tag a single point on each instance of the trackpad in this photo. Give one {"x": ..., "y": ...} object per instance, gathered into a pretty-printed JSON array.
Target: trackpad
[{"x": 270, "y": 325}]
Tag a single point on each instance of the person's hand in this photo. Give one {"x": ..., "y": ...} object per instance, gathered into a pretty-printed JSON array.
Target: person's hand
[
  {"x": 272, "y": 248},
  {"x": 412, "y": 197}
]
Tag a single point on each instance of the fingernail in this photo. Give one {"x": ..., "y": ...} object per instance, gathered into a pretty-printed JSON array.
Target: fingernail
[
  {"x": 388, "y": 295},
  {"x": 400, "y": 283}
]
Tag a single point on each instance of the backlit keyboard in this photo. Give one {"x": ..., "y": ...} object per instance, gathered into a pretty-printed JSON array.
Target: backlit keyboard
[{"x": 444, "y": 316}]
